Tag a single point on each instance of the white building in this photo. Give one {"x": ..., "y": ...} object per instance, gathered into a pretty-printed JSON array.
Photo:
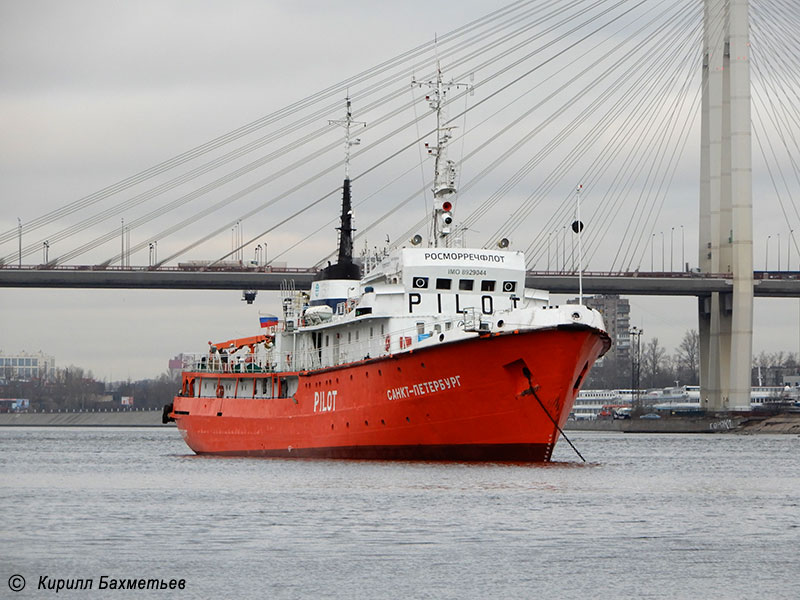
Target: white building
[{"x": 25, "y": 365}]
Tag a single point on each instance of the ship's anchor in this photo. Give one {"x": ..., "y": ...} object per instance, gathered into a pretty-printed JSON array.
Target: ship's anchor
[{"x": 527, "y": 372}]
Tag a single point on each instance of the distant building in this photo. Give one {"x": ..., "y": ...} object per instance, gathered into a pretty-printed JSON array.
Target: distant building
[
  {"x": 24, "y": 365},
  {"x": 616, "y": 313},
  {"x": 176, "y": 364}
]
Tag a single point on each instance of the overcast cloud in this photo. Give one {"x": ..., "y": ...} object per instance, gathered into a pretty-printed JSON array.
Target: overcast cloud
[{"x": 94, "y": 91}]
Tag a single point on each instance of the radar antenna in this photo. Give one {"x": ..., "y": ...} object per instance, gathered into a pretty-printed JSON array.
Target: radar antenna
[{"x": 444, "y": 178}]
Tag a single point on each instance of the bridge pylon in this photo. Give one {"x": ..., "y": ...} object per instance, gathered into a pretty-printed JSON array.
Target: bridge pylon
[{"x": 726, "y": 208}]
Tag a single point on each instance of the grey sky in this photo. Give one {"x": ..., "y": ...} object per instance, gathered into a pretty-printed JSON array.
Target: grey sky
[{"x": 94, "y": 91}]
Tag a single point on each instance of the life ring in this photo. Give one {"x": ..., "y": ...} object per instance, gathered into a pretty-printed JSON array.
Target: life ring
[
  {"x": 388, "y": 342},
  {"x": 220, "y": 391}
]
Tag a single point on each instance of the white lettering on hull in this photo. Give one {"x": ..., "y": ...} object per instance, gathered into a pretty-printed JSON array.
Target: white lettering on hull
[
  {"x": 325, "y": 401},
  {"x": 423, "y": 388}
]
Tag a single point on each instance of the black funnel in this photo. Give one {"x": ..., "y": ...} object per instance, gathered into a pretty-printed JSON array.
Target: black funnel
[{"x": 344, "y": 268}]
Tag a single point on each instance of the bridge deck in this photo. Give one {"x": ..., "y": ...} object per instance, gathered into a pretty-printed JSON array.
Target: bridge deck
[{"x": 766, "y": 283}]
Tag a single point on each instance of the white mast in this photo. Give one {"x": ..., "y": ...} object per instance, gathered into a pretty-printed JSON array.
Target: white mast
[
  {"x": 444, "y": 178},
  {"x": 577, "y": 227},
  {"x": 347, "y": 122}
]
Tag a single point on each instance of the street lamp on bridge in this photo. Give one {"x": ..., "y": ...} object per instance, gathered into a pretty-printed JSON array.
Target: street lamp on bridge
[
  {"x": 683, "y": 251},
  {"x": 636, "y": 362},
  {"x": 766, "y": 254},
  {"x": 652, "y": 245},
  {"x": 671, "y": 232}
]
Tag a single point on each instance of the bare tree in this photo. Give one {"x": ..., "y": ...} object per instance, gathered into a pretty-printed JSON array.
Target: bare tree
[
  {"x": 653, "y": 364},
  {"x": 687, "y": 357}
]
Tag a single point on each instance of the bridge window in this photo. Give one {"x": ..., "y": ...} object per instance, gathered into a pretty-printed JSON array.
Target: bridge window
[
  {"x": 444, "y": 284},
  {"x": 466, "y": 284},
  {"x": 420, "y": 282},
  {"x": 487, "y": 285}
]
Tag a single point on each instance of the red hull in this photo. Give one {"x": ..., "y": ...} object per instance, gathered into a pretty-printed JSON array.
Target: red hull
[{"x": 465, "y": 401}]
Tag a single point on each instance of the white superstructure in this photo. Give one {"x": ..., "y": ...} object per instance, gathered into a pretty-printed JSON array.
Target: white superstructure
[{"x": 416, "y": 297}]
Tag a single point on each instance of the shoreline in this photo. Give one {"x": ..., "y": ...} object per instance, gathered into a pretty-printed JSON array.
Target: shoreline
[
  {"x": 128, "y": 418},
  {"x": 785, "y": 423}
]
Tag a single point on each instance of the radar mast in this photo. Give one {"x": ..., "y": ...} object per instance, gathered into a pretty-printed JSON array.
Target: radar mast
[
  {"x": 445, "y": 174},
  {"x": 345, "y": 268}
]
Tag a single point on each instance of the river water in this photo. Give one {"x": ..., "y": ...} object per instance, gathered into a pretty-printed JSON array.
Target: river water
[{"x": 649, "y": 516}]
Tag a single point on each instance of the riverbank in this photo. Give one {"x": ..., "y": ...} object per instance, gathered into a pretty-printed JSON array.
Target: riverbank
[
  {"x": 127, "y": 418},
  {"x": 783, "y": 423},
  {"x": 786, "y": 423}
]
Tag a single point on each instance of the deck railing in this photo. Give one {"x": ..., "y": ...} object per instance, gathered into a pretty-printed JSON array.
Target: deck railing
[{"x": 332, "y": 352}]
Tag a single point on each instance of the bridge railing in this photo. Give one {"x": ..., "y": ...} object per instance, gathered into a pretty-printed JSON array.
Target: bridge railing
[
  {"x": 757, "y": 275},
  {"x": 141, "y": 269},
  {"x": 633, "y": 274}
]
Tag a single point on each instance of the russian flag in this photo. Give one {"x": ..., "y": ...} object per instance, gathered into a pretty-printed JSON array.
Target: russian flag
[{"x": 268, "y": 321}]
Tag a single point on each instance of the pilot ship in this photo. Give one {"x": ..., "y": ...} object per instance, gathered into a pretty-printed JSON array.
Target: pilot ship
[{"x": 432, "y": 353}]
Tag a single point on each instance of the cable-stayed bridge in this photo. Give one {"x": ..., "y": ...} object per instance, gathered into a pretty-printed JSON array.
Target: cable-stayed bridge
[
  {"x": 560, "y": 94},
  {"x": 611, "y": 95},
  {"x": 776, "y": 284}
]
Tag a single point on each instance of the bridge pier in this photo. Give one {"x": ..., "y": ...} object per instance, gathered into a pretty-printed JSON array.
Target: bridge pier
[{"x": 726, "y": 229}]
